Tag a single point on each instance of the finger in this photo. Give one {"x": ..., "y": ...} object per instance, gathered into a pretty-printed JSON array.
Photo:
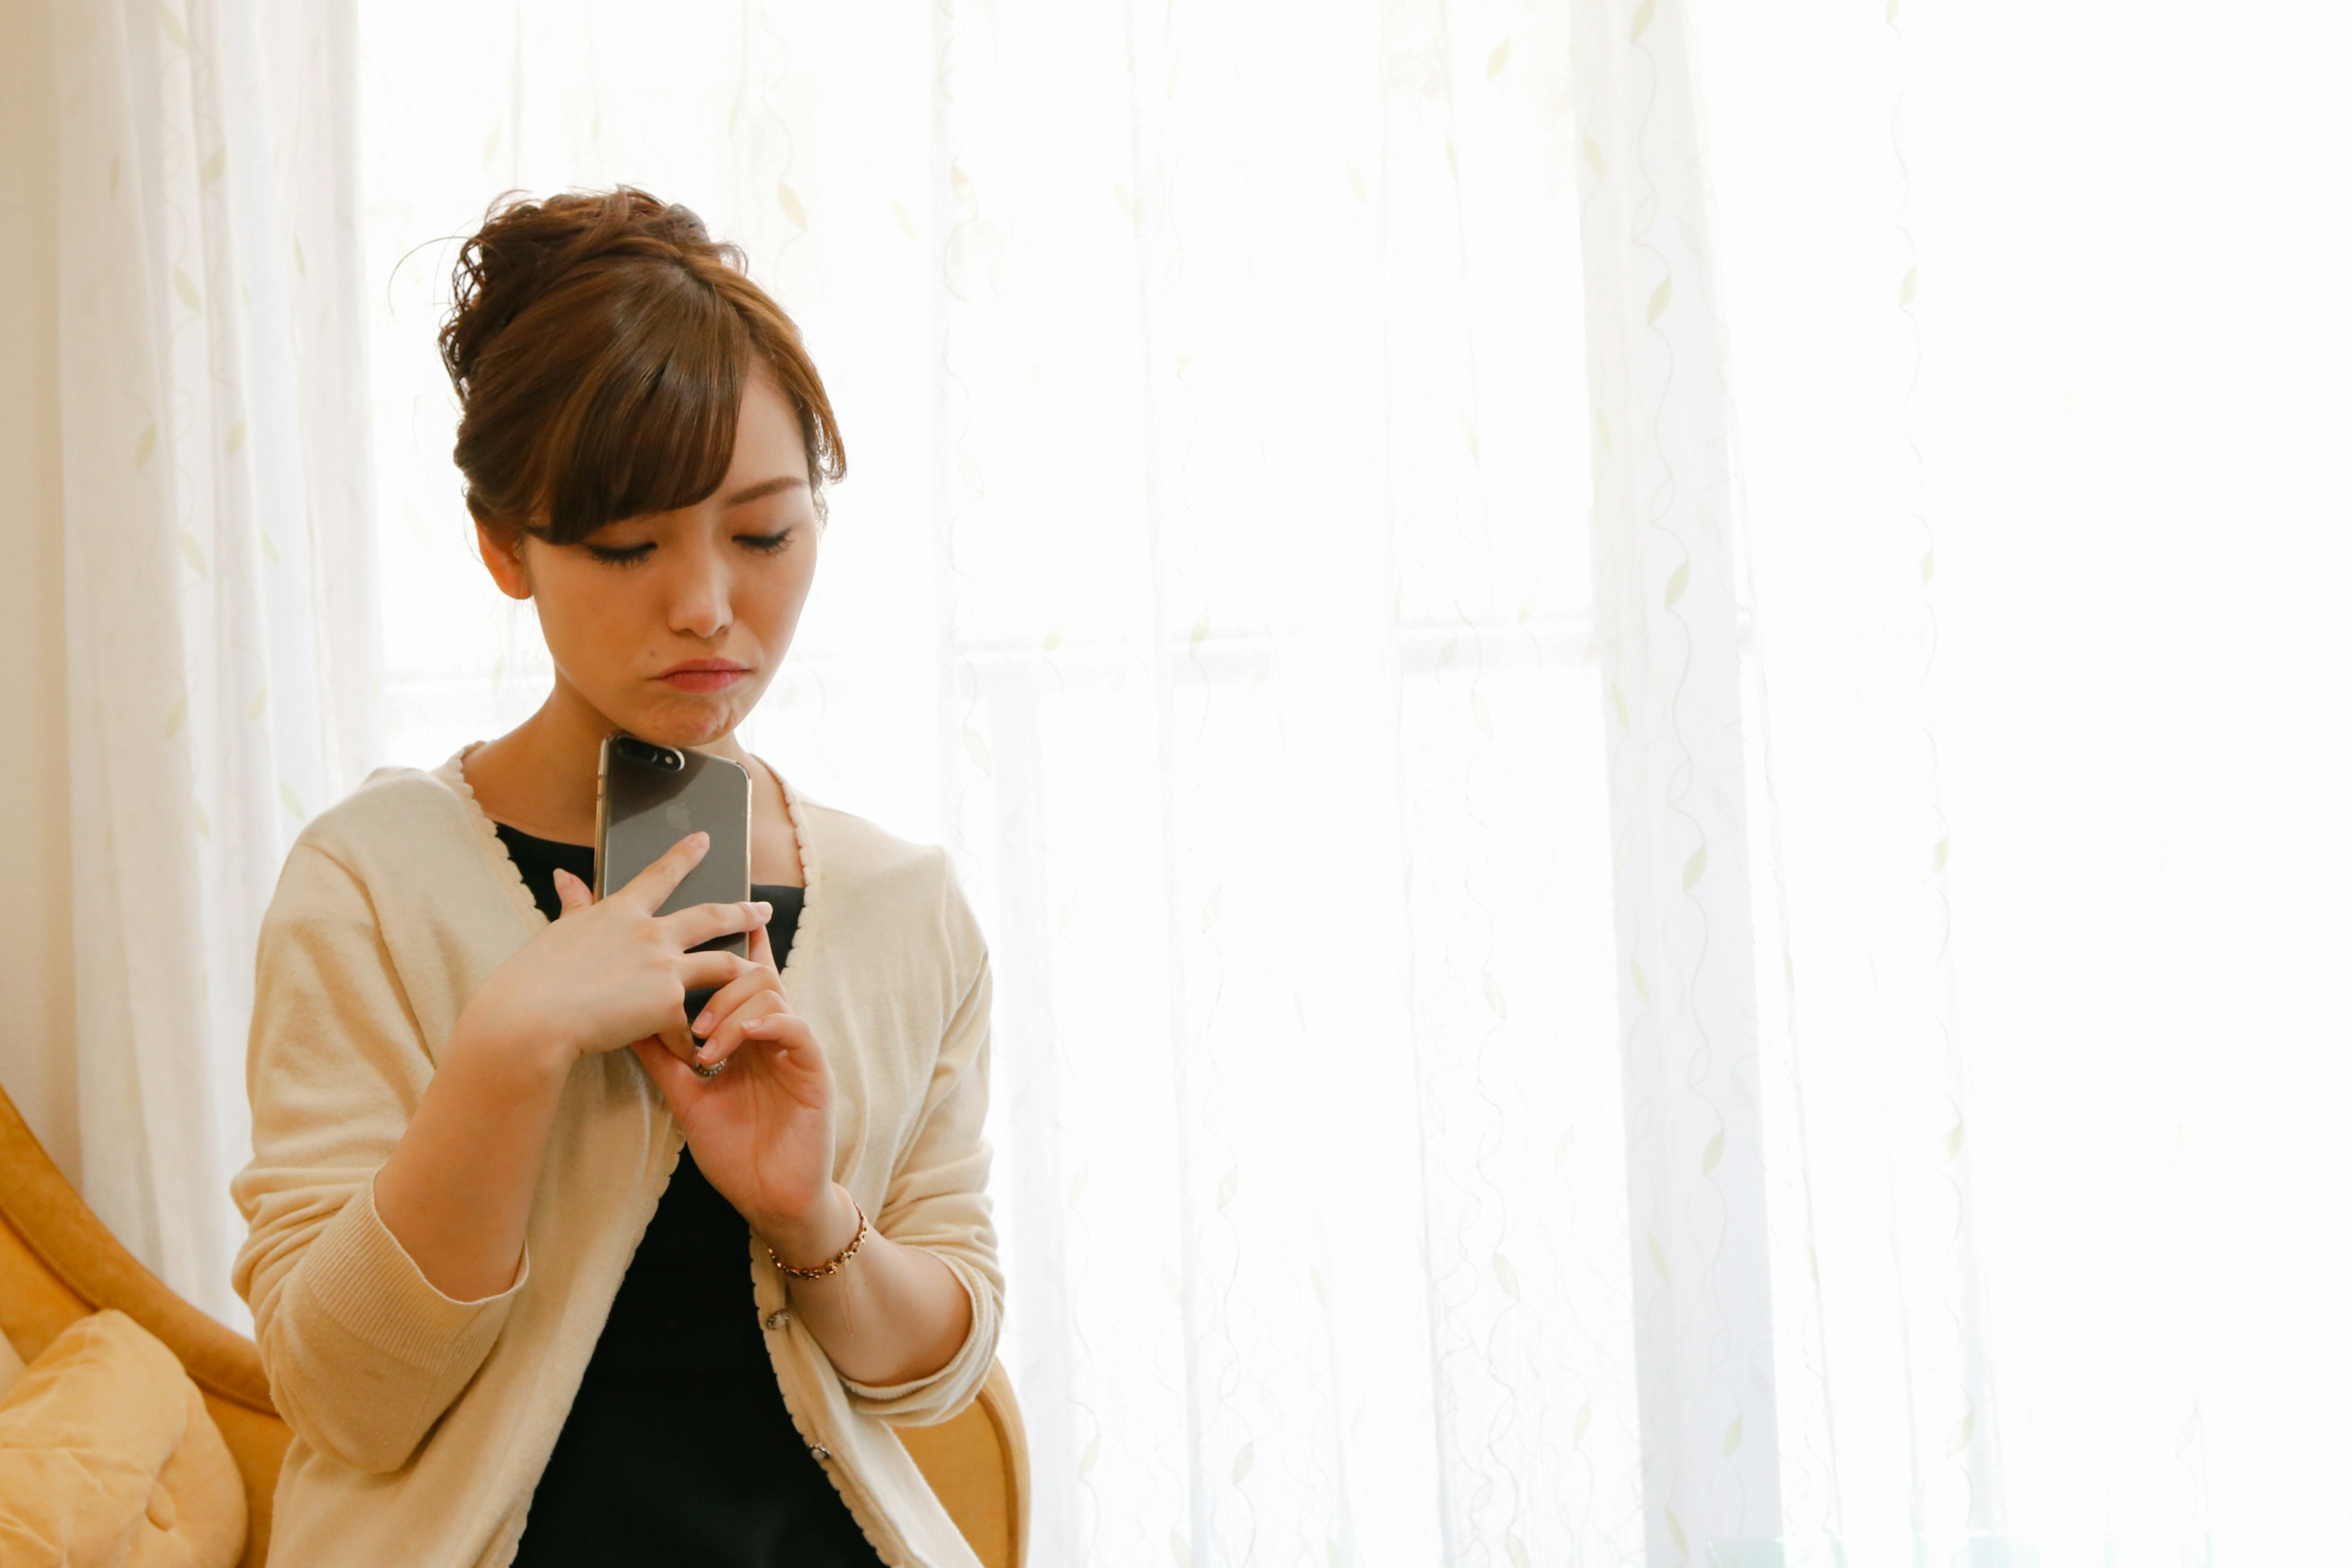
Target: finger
[
  {"x": 783, "y": 1042},
  {"x": 711, "y": 970},
  {"x": 788, "y": 1032},
  {"x": 785, "y": 1027},
  {"x": 736, "y": 1024},
  {"x": 656, "y": 882},
  {"x": 756, "y": 979},
  {"x": 697, "y": 923},
  {"x": 762, "y": 952},
  {"x": 677, "y": 1042},
  {"x": 701, "y": 976},
  {"x": 571, "y": 892}
]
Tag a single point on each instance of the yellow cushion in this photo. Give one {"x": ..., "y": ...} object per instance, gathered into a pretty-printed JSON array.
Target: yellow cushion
[{"x": 107, "y": 1457}]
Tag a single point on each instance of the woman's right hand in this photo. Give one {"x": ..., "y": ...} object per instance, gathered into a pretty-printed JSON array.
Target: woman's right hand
[{"x": 610, "y": 973}]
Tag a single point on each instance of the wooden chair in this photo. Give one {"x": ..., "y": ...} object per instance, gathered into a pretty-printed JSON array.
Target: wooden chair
[{"x": 57, "y": 1262}]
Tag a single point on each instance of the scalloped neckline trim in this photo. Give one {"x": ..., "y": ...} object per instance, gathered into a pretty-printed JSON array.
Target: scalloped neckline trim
[{"x": 452, "y": 773}]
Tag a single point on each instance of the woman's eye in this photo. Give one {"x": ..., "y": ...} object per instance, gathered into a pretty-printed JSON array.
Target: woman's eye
[
  {"x": 628, "y": 555},
  {"x": 765, "y": 543}
]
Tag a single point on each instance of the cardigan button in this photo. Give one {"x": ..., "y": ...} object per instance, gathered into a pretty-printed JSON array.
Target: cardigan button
[
  {"x": 775, "y": 1319},
  {"x": 820, "y": 1453}
]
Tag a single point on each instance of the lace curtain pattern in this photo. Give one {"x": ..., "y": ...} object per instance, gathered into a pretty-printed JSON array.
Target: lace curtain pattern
[
  {"x": 1447, "y": 573},
  {"x": 219, "y": 601},
  {"x": 1211, "y": 580},
  {"x": 1640, "y": 694}
]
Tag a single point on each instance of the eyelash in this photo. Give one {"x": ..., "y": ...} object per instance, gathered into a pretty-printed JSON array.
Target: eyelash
[{"x": 761, "y": 544}]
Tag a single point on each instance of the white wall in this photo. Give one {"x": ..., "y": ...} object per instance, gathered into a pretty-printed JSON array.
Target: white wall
[{"x": 36, "y": 915}]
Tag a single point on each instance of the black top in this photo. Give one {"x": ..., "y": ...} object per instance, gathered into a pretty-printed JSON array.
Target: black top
[{"x": 679, "y": 1449}]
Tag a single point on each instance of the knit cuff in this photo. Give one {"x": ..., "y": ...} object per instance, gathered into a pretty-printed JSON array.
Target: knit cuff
[
  {"x": 358, "y": 1274},
  {"x": 936, "y": 1397}
]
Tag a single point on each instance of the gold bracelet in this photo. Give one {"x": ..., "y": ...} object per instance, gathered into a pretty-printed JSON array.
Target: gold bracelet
[{"x": 831, "y": 1264}]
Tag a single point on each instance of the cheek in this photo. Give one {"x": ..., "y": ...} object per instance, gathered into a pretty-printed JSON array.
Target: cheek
[
  {"x": 580, "y": 614},
  {"x": 768, "y": 602}
]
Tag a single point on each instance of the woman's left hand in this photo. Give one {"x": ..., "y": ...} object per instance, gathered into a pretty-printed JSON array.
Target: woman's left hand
[{"x": 762, "y": 1129}]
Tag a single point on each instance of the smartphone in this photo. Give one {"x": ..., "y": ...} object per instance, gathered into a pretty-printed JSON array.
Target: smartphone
[{"x": 649, "y": 797}]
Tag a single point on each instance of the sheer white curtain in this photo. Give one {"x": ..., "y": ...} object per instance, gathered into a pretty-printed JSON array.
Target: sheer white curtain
[
  {"x": 1665, "y": 512},
  {"x": 1602, "y": 672},
  {"x": 2039, "y": 429},
  {"x": 1212, "y": 577},
  {"x": 219, "y": 611}
]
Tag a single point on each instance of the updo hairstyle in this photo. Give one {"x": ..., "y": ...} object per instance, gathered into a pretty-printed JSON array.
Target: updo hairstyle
[{"x": 599, "y": 343}]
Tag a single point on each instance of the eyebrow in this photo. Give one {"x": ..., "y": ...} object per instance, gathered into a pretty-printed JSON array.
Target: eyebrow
[{"x": 764, "y": 487}]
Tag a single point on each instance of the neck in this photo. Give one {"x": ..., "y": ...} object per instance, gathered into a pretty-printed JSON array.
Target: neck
[{"x": 540, "y": 775}]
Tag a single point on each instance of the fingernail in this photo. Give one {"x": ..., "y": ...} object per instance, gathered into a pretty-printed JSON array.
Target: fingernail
[
  {"x": 764, "y": 909},
  {"x": 702, "y": 1025}
]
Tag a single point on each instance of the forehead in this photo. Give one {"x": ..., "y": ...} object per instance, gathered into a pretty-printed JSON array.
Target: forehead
[{"x": 768, "y": 440}]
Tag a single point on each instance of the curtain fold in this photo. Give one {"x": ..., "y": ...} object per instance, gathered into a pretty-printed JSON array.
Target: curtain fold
[
  {"x": 1667, "y": 584},
  {"x": 219, "y": 613},
  {"x": 1485, "y": 664},
  {"x": 1211, "y": 578},
  {"x": 1618, "y": 928}
]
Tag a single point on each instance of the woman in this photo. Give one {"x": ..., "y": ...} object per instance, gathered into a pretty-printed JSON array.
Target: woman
[{"x": 525, "y": 1295}]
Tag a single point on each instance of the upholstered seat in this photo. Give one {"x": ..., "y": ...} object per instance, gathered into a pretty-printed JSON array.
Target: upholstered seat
[{"x": 58, "y": 1263}]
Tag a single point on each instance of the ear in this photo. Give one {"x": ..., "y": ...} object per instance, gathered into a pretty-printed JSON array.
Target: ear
[{"x": 503, "y": 552}]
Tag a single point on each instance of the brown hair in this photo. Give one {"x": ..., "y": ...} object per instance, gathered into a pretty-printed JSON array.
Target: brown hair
[{"x": 598, "y": 344}]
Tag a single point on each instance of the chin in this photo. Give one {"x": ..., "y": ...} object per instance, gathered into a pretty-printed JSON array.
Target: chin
[{"x": 685, "y": 721}]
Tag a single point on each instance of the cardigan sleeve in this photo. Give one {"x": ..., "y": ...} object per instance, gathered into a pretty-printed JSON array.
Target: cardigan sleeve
[
  {"x": 938, "y": 1196},
  {"x": 363, "y": 1353}
]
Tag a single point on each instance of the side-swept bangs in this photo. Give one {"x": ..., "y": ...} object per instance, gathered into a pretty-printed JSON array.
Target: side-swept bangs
[{"x": 609, "y": 384}]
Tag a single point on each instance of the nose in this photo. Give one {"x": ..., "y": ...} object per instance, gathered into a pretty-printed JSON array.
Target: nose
[{"x": 700, "y": 593}]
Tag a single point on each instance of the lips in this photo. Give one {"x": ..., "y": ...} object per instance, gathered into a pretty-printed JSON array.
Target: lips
[{"x": 703, "y": 675}]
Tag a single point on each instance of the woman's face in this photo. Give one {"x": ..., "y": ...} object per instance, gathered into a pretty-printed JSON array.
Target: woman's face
[{"x": 670, "y": 624}]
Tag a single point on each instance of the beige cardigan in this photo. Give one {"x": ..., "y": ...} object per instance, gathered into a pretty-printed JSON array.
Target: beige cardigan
[{"x": 421, "y": 1424}]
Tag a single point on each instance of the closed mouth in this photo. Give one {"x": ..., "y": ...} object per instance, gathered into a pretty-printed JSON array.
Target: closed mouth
[{"x": 703, "y": 674}]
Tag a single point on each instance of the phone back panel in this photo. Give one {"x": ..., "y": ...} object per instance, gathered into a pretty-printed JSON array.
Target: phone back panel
[{"x": 649, "y": 797}]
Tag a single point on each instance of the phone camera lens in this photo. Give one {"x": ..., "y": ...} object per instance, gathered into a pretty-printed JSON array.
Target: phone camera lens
[{"x": 669, "y": 759}]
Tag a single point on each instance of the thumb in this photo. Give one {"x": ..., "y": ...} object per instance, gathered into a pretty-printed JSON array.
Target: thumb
[{"x": 571, "y": 892}]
